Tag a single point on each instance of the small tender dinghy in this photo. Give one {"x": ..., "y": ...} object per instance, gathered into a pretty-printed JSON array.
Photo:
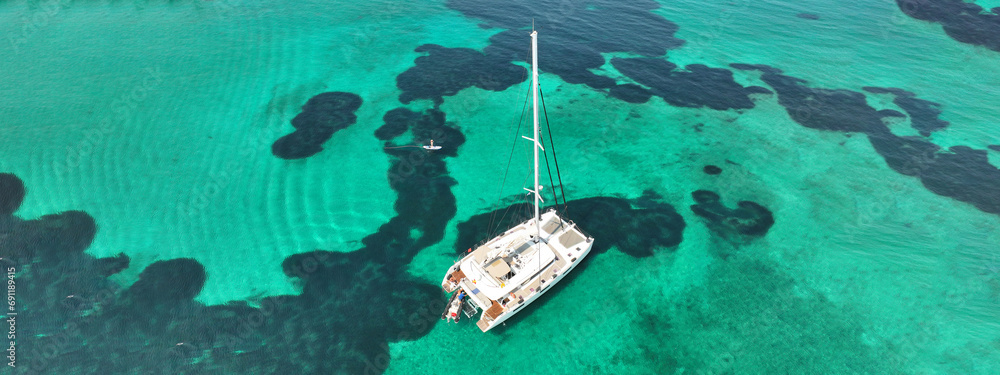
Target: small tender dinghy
[{"x": 454, "y": 307}]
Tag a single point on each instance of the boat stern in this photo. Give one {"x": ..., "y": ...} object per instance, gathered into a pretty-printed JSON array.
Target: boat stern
[{"x": 452, "y": 279}]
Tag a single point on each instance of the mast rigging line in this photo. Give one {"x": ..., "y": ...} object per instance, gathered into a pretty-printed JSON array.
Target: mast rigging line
[
  {"x": 489, "y": 228},
  {"x": 534, "y": 90},
  {"x": 552, "y": 146},
  {"x": 549, "y": 170},
  {"x": 515, "y": 217}
]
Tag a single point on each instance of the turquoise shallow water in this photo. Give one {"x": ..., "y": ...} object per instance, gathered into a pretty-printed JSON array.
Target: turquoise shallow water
[{"x": 157, "y": 119}]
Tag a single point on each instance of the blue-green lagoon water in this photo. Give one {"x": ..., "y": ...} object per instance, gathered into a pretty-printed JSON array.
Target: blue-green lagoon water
[{"x": 862, "y": 129}]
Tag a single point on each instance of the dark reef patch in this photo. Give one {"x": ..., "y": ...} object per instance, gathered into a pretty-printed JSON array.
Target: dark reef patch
[
  {"x": 421, "y": 179},
  {"x": 361, "y": 300},
  {"x": 712, "y": 169},
  {"x": 397, "y": 122},
  {"x": 924, "y": 114},
  {"x": 748, "y": 219},
  {"x": 630, "y": 93},
  {"x": 963, "y": 21},
  {"x": 808, "y": 16},
  {"x": 50, "y": 237},
  {"x": 365, "y": 299},
  {"x": 11, "y": 193},
  {"x": 891, "y": 113},
  {"x": 352, "y": 304},
  {"x": 994, "y": 147},
  {"x": 613, "y": 222},
  {"x": 446, "y": 71},
  {"x": 696, "y": 86},
  {"x": 584, "y": 22},
  {"x": 705, "y": 196},
  {"x": 961, "y": 172},
  {"x": 430, "y": 125},
  {"x": 758, "y": 90},
  {"x": 824, "y": 109},
  {"x": 570, "y": 59},
  {"x": 112, "y": 265},
  {"x": 576, "y": 34},
  {"x": 301, "y": 144},
  {"x": 169, "y": 281},
  {"x": 57, "y": 283},
  {"x": 321, "y": 116}
]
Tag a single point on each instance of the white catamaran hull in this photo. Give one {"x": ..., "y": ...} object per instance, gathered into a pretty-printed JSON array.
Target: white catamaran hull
[{"x": 501, "y": 297}]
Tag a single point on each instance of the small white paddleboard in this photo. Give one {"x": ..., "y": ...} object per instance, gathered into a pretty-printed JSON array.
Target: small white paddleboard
[{"x": 432, "y": 147}]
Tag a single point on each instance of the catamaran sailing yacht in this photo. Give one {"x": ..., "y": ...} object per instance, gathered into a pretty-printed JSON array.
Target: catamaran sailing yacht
[{"x": 508, "y": 272}]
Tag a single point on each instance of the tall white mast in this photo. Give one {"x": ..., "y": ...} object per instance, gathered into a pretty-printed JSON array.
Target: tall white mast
[{"x": 534, "y": 134}]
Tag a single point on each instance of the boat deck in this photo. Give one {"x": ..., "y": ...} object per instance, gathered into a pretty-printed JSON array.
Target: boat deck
[
  {"x": 531, "y": 288},
  {"x": 494, "y": 311},
  {"x": 513, "y": 253},
  {"x": 489, "y": 315},
  {"x": 455, "y": 277},
  {"x": 559, "y": 264},
  {"x": 548, "y": 275}
]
